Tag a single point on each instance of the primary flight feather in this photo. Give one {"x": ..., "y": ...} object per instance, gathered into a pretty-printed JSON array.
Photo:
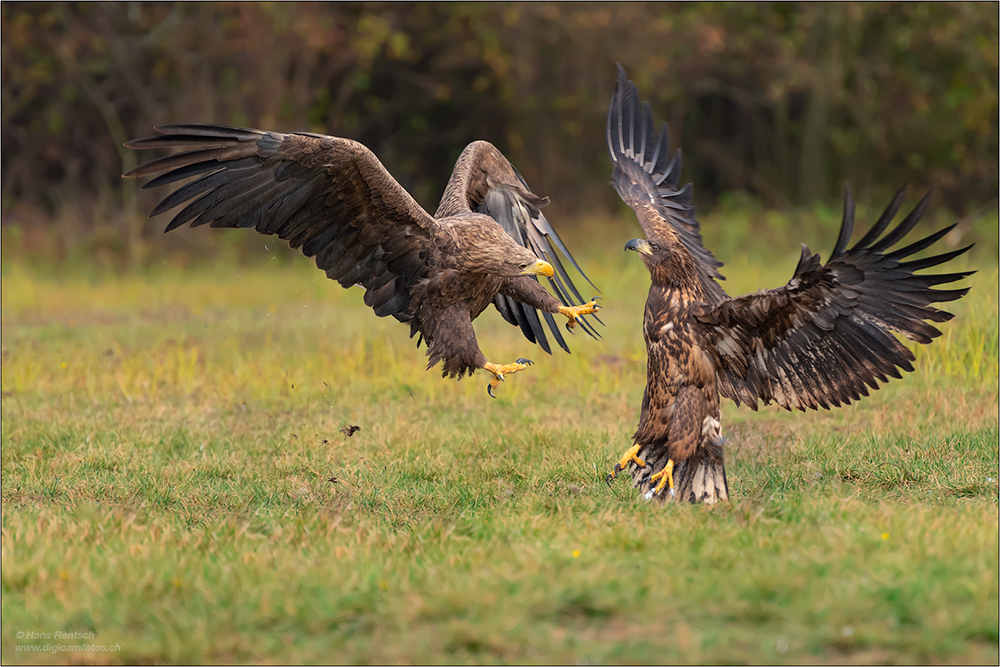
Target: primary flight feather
[
  {"x": 332, "y": 198},
  {"x": 824, "y": 339}
]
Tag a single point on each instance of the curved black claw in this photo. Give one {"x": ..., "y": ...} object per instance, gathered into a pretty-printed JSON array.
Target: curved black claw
[
  {"x": 526, "y": 362},
  {"x": 613, "y": 475},
  {"x": 489, "y": 390},
  {"x": 597, "y": 298}
]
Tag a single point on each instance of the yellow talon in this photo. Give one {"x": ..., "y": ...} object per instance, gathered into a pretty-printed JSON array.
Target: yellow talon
[
  {"x": 631, "y": 456},
  {"x": 665, "y": 477},
  {"x": 499, "y": 370},
  {"x": 573, "y": 312}
]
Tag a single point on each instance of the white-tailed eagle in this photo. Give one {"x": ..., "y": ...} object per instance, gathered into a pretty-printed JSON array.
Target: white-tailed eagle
[
  {"x": 334, "y": 200},
  {"x": 824, "y": 339}
]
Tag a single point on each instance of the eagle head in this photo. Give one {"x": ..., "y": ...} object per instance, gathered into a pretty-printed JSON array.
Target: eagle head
[
  {"x": 487, "y": 249},
  {"x": 516, "y": 260},
  {"x": 650, "y": 249},
  {"x": 660, "y": 257},
  {"x": 536, "y": 268},
  {"x": 509, "y": 259}
]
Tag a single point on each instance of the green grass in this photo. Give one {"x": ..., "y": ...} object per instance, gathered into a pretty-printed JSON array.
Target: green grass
[{"x": 175, "y": 481}]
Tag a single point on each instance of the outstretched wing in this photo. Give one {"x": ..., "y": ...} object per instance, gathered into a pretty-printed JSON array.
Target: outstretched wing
[
  {"x": 328, "y": 196},
  {"x": 826, "y": 337},
  {"x": 647, "y": 178},
  {"x": 484, "y": 181}
]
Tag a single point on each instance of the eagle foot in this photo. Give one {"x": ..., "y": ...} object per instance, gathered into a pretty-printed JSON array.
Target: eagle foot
[
  {"x": 500, "y": 370},
  {"x": 631, "y": 456},
  {"x": 573, "y": 312},
  {"x": 665, "y": 477}
]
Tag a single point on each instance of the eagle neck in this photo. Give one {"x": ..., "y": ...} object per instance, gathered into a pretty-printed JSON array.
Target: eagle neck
[
  {"x": 670, "y": 299},
  {"x": 674, "y": 278}
]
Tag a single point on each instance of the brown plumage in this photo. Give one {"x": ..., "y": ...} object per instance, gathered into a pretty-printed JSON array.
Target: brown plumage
[
  {"x": 333, "y": 199},
  {"x": 824, "y": 339}
]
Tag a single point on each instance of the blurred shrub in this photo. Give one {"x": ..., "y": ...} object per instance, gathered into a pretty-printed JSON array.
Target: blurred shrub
[{"x": 783, "y": 101}]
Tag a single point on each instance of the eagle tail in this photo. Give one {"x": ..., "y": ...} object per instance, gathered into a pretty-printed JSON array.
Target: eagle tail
[
  {"x": 698, "y": 479},
  {"x": 701, "y": 479}
]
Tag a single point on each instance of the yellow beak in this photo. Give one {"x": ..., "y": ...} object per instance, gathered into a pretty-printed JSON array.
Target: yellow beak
[{"x": 539, "y": 268}]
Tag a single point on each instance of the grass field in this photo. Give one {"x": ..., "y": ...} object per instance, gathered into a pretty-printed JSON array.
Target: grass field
[{"x": 176, "y": 484}]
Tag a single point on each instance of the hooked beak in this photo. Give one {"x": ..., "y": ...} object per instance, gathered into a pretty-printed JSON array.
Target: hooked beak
[
  {"x": 539, "y": 268},
  {"x": 639, "y": 245}
]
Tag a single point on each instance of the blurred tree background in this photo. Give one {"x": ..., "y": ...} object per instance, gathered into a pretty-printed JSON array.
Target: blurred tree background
[{"x": 781, "y": 101}]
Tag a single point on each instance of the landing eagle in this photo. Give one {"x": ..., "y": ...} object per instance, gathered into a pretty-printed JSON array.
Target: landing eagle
[
  {"x": 824, "y": 339},
  {"x": 334, "y": 200}
]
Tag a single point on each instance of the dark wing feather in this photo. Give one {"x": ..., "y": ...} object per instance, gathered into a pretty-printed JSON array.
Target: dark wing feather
[
  {"x": 519, "y": 212},
  {"x": 647, "y": 178},
  {"x": 484, "y": 181},
  {"x": 826, "y": 337},
  {"x": 328, "y": 196}
]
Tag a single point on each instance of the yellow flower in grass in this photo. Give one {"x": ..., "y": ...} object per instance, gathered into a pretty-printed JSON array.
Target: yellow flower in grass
[{"x": 576, "y": 553}]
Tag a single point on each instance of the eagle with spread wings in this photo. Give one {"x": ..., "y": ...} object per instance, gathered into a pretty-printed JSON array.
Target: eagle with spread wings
[
  {"x": 824, "y": 339},
  {"x": 332, "y": 199}
]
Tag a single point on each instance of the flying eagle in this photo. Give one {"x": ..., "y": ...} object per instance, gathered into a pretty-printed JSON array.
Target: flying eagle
[
  {"x": 334, "y": 200},
  {"x": 824, "y": 339}
]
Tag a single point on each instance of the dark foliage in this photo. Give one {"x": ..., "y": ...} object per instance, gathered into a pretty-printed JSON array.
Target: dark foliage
[{"x": 785, "y": 101}]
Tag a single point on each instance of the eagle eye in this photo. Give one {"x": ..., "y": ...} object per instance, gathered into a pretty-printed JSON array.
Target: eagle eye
[
  {"x": 522, "y": 266},
  {"x": 654, "y": 247}
]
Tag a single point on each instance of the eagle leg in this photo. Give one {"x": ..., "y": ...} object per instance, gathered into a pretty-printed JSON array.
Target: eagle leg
[
  {"x": 665, "y": 477},
  {"x": 631, "y": 456},
  {"x": 500, "y": 370},
  {"x": 573, "y": 312}
]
